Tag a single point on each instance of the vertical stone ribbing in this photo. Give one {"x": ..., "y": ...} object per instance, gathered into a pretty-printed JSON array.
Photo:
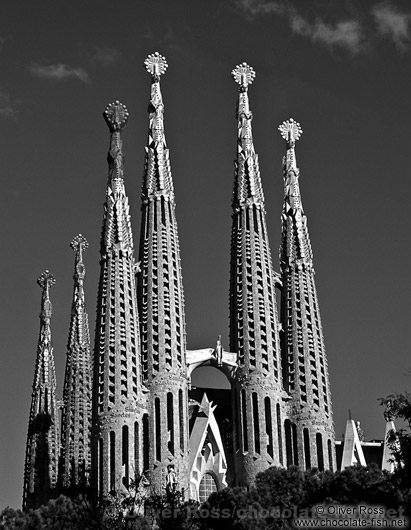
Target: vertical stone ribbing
[
  {"x": 76, "y": 418},
  {"x": 305, "y": 369},
  {"x": 254, "y": 329},
  {"x": 118, "y": 401},
  {"x": 41, "y": 465},
  {"x": 161, "y": 301}
]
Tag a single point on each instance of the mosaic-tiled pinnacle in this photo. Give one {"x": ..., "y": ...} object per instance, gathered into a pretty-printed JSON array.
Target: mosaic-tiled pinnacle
[
  {"x": 161, "y": 300},
  {"x": 41, "y": 467},
  {"x": 117, "y": 376},
  {"x": 254, "y": 330},
  {"x": 76, "y": 419}
]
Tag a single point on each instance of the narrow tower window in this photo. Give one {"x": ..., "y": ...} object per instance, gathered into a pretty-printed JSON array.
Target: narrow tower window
[
  {"x": 100, "y": 466},
  {"x": 256, "y": 423},
  {"x": 330, "y": 456},
  {"x": 295, "y": 444},
  {"x": 280, "y": 434},
  {"x": 158, "y": 428},
  {"x": 181, "y": 411},
  {"x": 124, "y": 460},
  {"x": 170, "y": 422},
  {"x": 136, "y": 449},
  {"x": 244, "y": 414},
  {"x": 307, "y": 454},
  {"x": 320, "y": 455},
  {"x": 146, "y": 450},
  {"x": 268, "y": 426},
  {"x": 288, "y": 443},
  {"x": 112, "y": 461}
]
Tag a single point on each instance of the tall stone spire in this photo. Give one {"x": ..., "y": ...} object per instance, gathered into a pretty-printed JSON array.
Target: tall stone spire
[
  {"x": 41, "y": 466},
  {"x": 310, "y": 431},
  {"x": 76, "y": 419},
  {"x": 117, "y": 387},
  {"x": 161, "y": 301},
  {"x": 254, "y": 329}
]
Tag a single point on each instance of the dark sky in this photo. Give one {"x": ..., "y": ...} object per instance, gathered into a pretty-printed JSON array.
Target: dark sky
[{"x": 340, "y": 68}]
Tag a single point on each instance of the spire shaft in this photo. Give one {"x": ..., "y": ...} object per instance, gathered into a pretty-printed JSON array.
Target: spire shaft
[
  {"x": 117, "y": 391},
  {"x": 41, "y": 466},
  {"x": 305, "y": 369},
  {"x": 254, "y": 330},
  {"x": 161, "y": 301},
  {"x": 76, "y": 419}
]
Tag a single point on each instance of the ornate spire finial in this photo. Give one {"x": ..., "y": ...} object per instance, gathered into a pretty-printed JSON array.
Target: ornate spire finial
[
  {"x": 116, "y": 116},
  {"x": 243, "y": 74},
  {"x": 46, "y": 280},
  {"x": 79, "y": 243},
  {"x": 290, "y": 130},
  {"x": 156, "y": 65}
]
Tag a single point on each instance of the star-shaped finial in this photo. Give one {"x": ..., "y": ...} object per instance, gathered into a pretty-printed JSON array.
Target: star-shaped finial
[
  {"x": 243, "y": 74},
  {"x": 156, "y": 64},
  {"x": 46, "y": 280},
  {"x": 290, "y": 130},
  {"x": 116, "y": 116},
  {"x": 79, "y": 242}
]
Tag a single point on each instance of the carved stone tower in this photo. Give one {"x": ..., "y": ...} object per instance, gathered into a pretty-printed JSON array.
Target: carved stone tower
[
  {"x": 76, "y": 418},
  {"x": 254, "y": 329},
  {"x": 161, "y": 304},
  {"x": 117, "y": 390},
  {"x": 309, "y": 431},
  {"x": 41, "y": 466}
]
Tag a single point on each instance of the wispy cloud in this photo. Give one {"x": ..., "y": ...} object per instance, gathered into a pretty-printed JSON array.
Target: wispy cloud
[
  {"x": 58, "y": 72},
  {"x": 393, "y": 24},
  {"x": 7, "y": 106},
  {"x": 105, "y": 56},
  {"x": 345, "y": 34},
  {"x": 252, "y": 8}
]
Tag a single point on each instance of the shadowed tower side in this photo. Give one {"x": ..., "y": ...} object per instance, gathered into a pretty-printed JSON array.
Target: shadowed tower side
[
  {"x": 76, "y": 419},
  {"x": 310, "y": 430},
  {"x": 254, "y": 329},
  {"x": 161, "y": 303},
  {"x": 41, "y": 466},
  {"x": 118, "y": 399}
]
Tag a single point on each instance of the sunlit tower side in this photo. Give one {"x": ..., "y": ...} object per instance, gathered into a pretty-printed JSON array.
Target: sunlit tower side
[
  {"x": 254, "y": 329},
  {"x": 161, "y": 303},
  {"x": 42, "y": 449},
  {"x": 309, "y": 431},
  {"x": 118, "y": 398}
]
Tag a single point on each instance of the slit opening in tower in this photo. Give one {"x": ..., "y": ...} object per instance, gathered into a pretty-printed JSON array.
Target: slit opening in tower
[
  {"x": 158, "y": 427},
  {"x": 279, "y": 433},
  {"x": 320, "y": 454},
  {"x": 181, "y": 418},
  {"x": 244, "y": 418},
  {"x": 125, "y": 456},
  {"x": 307, "y": 454},
  {"x": 288, "y": 443},
  {"x": 268, "y": 426},
  {"x": 146, "y": 442},
  {"x": 112, "y": 461},
  {"x": 256, "y": 426},
  {"x": 136, "y": 450},
  {"x": 330, "y": 456},
  {"x": 170, "y": 423}
]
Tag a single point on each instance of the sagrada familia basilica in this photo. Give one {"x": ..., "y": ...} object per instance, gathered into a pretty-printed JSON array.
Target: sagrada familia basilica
[{"x": 129, "y": 412}]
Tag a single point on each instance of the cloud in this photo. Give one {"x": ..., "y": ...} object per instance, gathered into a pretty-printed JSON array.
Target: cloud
[
  {"x": 105, "y": 56},
  {"x": 252, "y": 8},
  {"x": 58, "y": 72},
  {"x": 345, "y": 34},
  {"x": 393, "y": 24},
  {"x": 7, "y": 106}
]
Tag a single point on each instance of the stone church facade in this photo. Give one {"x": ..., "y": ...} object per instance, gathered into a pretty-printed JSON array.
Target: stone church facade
[{"x": 129, "y": 412}]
